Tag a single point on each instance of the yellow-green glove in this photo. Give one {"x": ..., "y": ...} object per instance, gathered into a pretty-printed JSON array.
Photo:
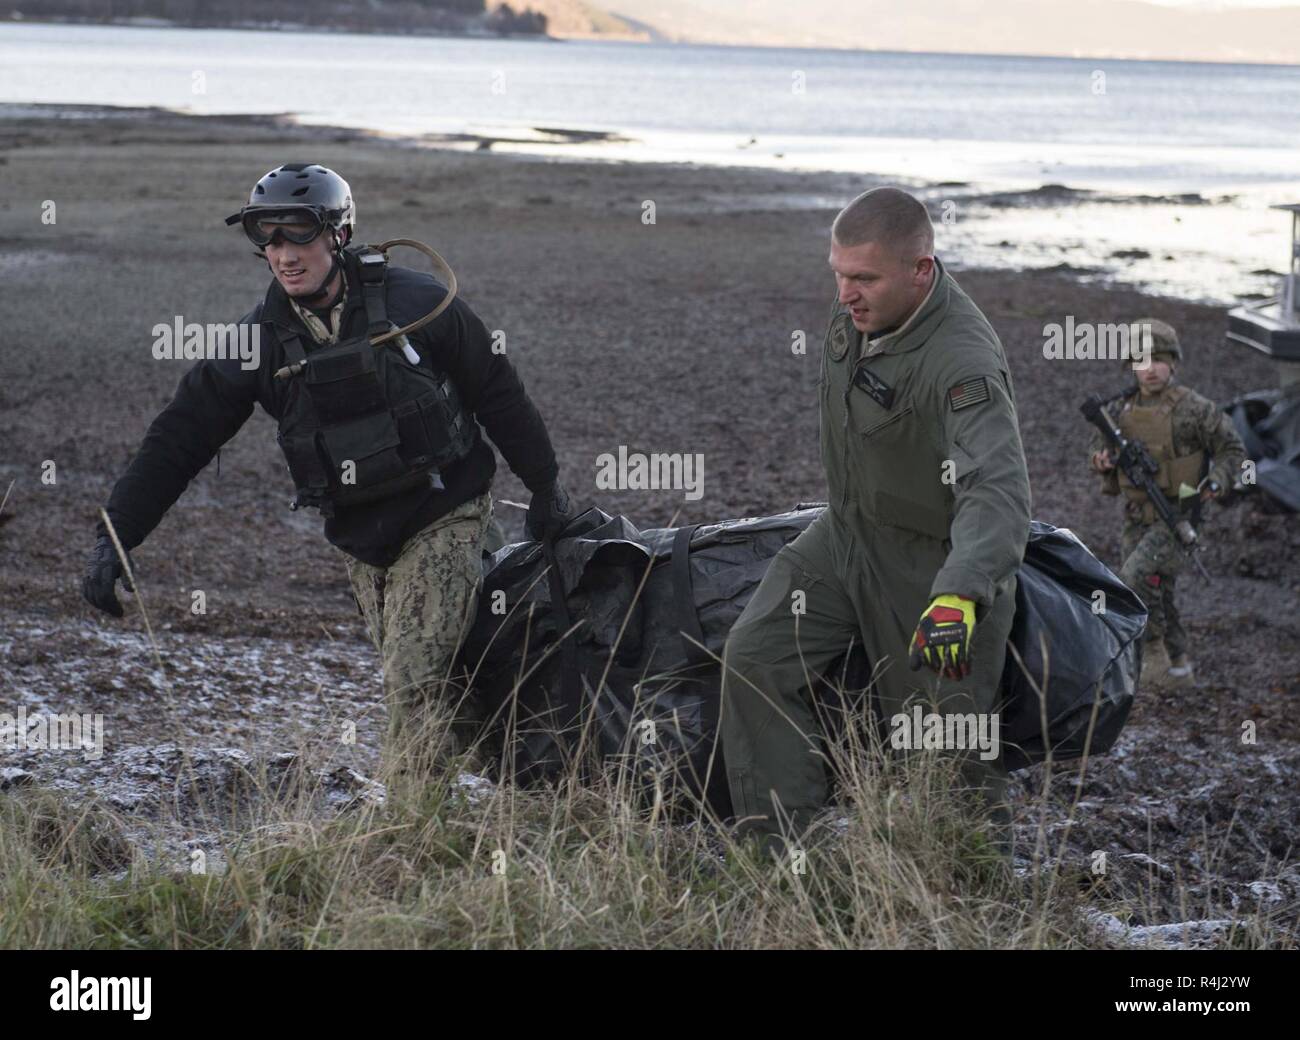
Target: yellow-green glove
[{"x": 943, "y": 635}]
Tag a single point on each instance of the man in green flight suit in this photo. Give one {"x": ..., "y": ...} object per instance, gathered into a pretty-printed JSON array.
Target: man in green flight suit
[{"x": 917, "y": 553}]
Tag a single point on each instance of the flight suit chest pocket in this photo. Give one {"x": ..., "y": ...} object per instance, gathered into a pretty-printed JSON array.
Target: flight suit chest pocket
[{"x": 888, "y": 424}]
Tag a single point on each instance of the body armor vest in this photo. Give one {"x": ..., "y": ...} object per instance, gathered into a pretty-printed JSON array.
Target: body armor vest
[
  {"x": 1154, "y": 427},
  {"x": 362, "y": 423}
]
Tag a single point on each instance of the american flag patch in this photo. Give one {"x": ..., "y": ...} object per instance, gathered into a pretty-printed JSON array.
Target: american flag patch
[{"x": 972, "y": 391}]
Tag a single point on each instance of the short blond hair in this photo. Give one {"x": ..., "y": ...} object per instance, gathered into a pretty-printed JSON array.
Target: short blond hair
[{"x": 890, "y": 216}]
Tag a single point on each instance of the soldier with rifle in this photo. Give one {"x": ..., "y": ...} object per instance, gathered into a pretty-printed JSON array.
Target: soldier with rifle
[{"x": 1168, "y": 450}]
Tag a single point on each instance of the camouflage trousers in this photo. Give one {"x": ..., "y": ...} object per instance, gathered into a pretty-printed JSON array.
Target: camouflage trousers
[
  {"x": 418, "y": 610},
  {"x": 1152, "y": 562}
]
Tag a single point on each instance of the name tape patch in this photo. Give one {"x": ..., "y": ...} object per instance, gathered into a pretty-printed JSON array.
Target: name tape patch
[
  {"x": 971, "y": 392},
  {"x": 879, "y": 391}
]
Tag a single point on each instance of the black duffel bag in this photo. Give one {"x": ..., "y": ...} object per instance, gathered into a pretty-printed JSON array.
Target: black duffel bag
[
  {"x": 627, "y": 669},
  {"x": 1075, "y": 643}
]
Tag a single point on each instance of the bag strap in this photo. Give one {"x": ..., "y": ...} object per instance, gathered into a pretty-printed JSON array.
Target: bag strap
[
  {"x": 293, "y": 349},
  {"x": 688, "y": 619},
  {"x": 570, "y": 678},
  {"x": 693, "y": 651},
  {"x": 374, "y": 269}
]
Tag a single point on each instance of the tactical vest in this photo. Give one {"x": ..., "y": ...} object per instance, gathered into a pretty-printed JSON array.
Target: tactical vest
[
  {"x": 1154, "y": 427},
  {"x": 362, "y": 423}
]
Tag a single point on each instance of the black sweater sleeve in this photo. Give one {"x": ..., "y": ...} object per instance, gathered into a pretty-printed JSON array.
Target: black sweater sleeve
[
  {"x": 491, "y": 389},
  {"x": 213, "y": 400}
]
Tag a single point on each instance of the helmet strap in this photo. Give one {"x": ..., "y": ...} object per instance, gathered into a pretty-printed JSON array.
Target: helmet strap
[{"x": 335, "y": 266}]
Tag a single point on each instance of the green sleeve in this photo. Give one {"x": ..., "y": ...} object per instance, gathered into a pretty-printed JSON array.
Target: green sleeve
[
  {"x": 1223, "y": 444},
  {"x": 991, "y": 487}
]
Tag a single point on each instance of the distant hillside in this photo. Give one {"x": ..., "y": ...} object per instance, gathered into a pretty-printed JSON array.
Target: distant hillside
[
  {"x": 1096, "y": 28},
  {"x": 575, "y": 18},
  {"x": 561, "y": 17}
]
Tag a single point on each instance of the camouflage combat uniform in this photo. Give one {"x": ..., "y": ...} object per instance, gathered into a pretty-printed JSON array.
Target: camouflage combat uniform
[
  {"x": 1191, "y": 439},
  {"x": 413, "y": 556},
  {"x": 417, "y": 610}
]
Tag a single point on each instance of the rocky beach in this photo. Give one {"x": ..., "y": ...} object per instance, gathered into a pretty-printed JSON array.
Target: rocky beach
[{"x": 670, "y": 336}]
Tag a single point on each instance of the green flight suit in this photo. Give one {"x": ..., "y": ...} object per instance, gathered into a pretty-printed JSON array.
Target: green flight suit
[{"x": 929, "y": 495}]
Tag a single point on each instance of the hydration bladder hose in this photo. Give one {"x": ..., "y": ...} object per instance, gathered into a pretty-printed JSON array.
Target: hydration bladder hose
[{"x": 399, "y": 333}]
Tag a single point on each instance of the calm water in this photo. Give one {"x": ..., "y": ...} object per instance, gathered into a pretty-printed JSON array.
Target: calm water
[
  {"x": 1191, "y": 126},
  {"x": 1152, "y": 127}
]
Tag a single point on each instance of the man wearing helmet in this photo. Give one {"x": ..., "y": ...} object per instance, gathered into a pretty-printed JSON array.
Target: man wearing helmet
[
  {"x": 385, "y": 440},
  {"x": 1199, "y": 453}
]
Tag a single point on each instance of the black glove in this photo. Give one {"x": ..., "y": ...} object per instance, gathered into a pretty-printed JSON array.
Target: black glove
[
  {"x": 102, "y": 572},
  {"x": 548, "y": 513}
]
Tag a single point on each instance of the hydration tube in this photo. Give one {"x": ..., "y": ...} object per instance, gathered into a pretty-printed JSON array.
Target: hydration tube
[{"x": 399, "y": 333}]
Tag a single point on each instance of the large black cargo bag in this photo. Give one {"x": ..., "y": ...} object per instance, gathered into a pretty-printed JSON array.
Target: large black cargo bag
[{"x": 636, "y": 676}]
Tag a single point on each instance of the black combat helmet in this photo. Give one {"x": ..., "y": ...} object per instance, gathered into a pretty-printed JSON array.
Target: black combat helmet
[
  {"x": 293, "y": 194},
  {"x": 295, "y": 190}
]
